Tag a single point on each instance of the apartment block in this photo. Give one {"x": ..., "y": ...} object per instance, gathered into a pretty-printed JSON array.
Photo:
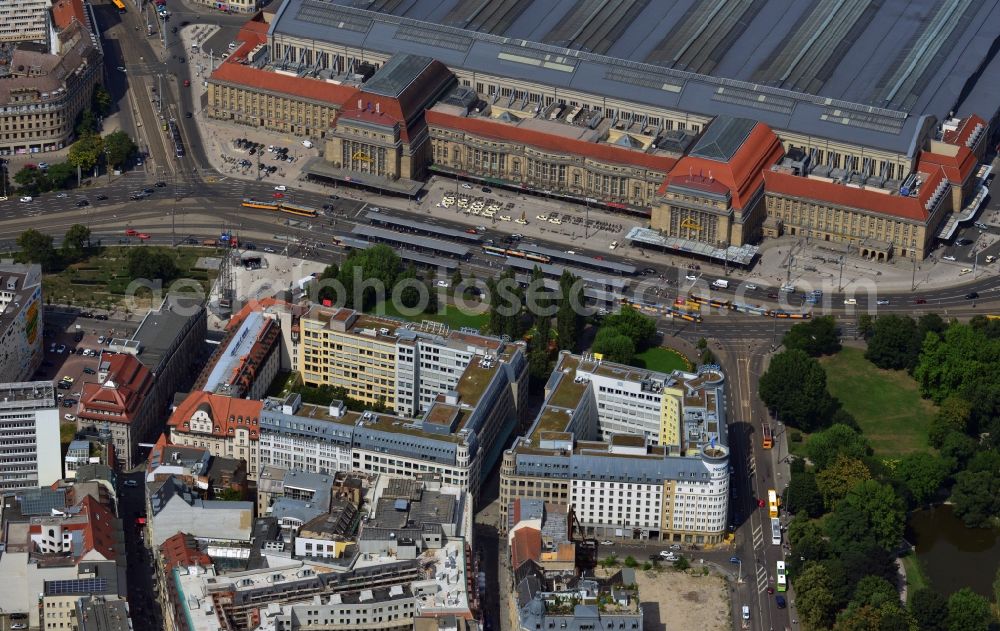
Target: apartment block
[
  {"x": 635, "y": 453},
  {"x": 20, "y": 320},
  {"x": 30, "y": 455}
]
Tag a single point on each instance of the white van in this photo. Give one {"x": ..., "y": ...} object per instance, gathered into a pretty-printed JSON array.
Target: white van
[
  {"x": 721, "y": 284},
  {"x": 307, "y": 144},
  {"x": 850, "y": 301}
]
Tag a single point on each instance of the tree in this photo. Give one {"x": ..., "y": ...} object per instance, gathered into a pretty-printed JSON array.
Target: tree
[
  {"x": 836, "y": 440},
  {"x": 637, "y": 327},
  {"x": 962, "y": 362},
  {"x": 869, "y": 510},
  {"x": 884, "y": 617},
  {"x": 957, "y": 449},
  {"x": 329, "y": 274},
  {"x": 930, "y": 609},
  {"x": 930, "y": 323},
  {"x": 794, "y": 387},
  {"x": 968, "y": 611},
  {"x": 895, "y": 343},
  {"x": 101, "y": 102},
  {"x": 815, "y": 337},
  {"x": 378, "y": 265},
  {"x": 60, "y": 175},
  {"x": 456, "y": 278},
  {"x": 874, "y": 591},
  {"x": 837, "y": 479},
  {"x": 32, "y": 181},
  {"x": 814, "y": 598},
  {"x": 569, "y": 323},
  {"x": 614, "y": 345},
  {"x": 952, "y": 416},
  {"x": 76, "y": 239},
  {"x": 922, "y": 475},
  {"x": 976, "y": 497},
  {"x": 802, "y": 495},
  {"x": 86, "y": 123},
  {"x": 152, "y": 264},
  {"x": 36, "y": 247},
  {"x": 866, "y": 326},
  {"x": 229, "y": 495},
  {"x": 85, "y": 152},
  {"x": 119, "y": 147}
]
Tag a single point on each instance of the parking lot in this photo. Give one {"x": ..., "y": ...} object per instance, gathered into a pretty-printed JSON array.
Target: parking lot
[{"x": 65, "y": 345}]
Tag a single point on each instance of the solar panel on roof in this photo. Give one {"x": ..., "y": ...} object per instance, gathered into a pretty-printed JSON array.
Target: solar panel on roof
[
  {"x": 76, "y": 586},
  {"x": 423, "y": 35},
  {"x": 325, "y": 14}
]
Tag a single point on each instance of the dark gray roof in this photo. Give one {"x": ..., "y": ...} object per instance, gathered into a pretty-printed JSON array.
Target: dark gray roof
[
  {"x": 413, "y": 240},
  {"x": 41, "y": 501},
  {"x": 397, "y": 73},
  {"x": 723, "y": 138},
  {"x": 864, "y": 73},
  {"x": 158, "y": 331}
]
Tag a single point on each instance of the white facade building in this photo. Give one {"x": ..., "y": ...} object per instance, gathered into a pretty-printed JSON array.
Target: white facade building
[{"x": 30, "y": 452}]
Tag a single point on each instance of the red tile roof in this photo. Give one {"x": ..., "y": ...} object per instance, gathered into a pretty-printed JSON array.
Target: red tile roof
[
  {"x": 742, "y": 176},
  {"x": 226, "y": 413},
  {"x": 912, "y": 208},
  {"x": 957, "y": 167},
  {"x": 264, "y": 80},
  {"x": 254, "y": 305},
  {"x": 526, "y": 546},
  {"x": 127, "y": 384},
  {"x": 182, "y": 550},
  {"x": 65, "y": 11},
  {"x": 98, "y": 529},
  {"x": 491, "y": 128},
  {"x": 961, "y": 135}
]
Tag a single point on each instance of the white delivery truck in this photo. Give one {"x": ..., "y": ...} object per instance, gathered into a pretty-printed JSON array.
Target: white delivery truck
[{"x": 721, "y": 284}]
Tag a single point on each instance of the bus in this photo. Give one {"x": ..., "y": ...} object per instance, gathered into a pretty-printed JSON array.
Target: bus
[
  {"x": 772, "y": 503},
  {"x": 120, "y": 5},
  {"x": 775, "y": 531},
  {"x": 782, "y": 581},
  {"x": 767, "y": 439}
]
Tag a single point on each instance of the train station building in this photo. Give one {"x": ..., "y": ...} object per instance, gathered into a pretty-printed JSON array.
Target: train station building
[{"x": 702, "y": 126}]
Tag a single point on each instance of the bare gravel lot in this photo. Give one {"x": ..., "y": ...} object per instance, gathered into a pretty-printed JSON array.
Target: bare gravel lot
[{"x": 678, "y": 601}]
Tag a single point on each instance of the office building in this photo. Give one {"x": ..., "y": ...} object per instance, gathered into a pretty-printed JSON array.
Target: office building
[
  {"x": 635, "y": 453},
  {"x": 25, "y": 21},
  {"x": 174, "y": 507},
  {"x": 223, "y": 425},
  {"x": 100, "y": 613},
  {"x": 30, "y": 453},
  {"x": 119, "y": 404},
  {"x": 409, "y": 557},
  {"x": 59, "y": 545},
  {"x": 471, "y": 391},
  {"x": 402, "y": 365},
  {"x": 206, "y": 474},
  {"x": 247, "y": 360},
  {"x": 20, "y": 321},
  {"x": 49, "y": 76},
  {"x": 136, "y": 382}
]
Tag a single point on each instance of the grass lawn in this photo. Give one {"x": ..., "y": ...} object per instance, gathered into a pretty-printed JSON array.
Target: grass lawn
[
  {"x": 451, "y": 316},
  {"x": 915, "y": 578},
  {"x": 282, "y": 384},
  {"x": 101, "y": 279},
  {"x": 886, "y": 403},
  {"x": 662, "y": 359}
]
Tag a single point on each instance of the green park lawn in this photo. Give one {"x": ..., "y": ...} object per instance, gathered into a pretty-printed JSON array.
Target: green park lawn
[
  {"x": 886, "y": 403},
  {"x": 451, "y": 316},
  {"x": 662, "y": 359},
  {"x": 101, "y": 279}
]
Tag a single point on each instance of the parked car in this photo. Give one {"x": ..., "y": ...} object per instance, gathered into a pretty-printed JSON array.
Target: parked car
[
  {"x": 607, "y": 542},
  {"x": 131, "y": 483},
  {"x": 26, "y": 198},
  {"x": 69, "y": 417},
  {"x": 948, "y": 257}
]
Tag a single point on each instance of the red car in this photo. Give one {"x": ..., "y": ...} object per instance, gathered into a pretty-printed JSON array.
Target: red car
[
  {"x": 130, "y": 232},
  {"x": 278, "y": 195},
  {"x": 920, "y": 301},
  {"x": 187, "y": 83},
  {"x": 143, "y": 236}
]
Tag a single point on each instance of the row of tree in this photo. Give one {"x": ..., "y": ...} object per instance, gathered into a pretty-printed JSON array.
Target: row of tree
[{"x": 90, "y": 149}]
